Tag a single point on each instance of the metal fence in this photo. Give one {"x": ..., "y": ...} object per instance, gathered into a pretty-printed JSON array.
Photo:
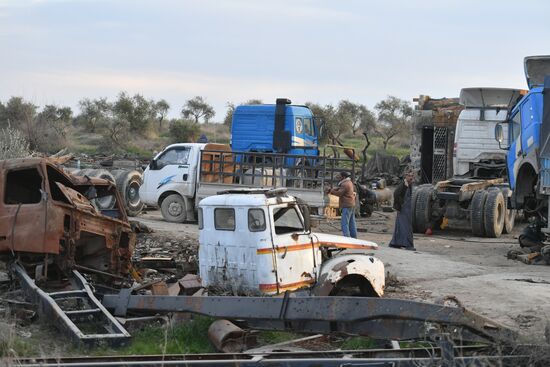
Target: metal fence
[{"x": 272, "y": 169}]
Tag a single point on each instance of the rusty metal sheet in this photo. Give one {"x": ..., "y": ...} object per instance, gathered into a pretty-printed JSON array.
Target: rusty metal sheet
[{"x": 77, "y": 199}]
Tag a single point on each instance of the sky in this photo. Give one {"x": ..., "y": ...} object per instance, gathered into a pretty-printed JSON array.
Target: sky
[{"x": 60, "y": 51}]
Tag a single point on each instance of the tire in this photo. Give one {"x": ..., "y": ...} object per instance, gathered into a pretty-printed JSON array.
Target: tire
[
  {"x": 509, "y": 221},
  {"x": 477, "y": 221},
  {"x": 173, "y": 209},
  {"x": 510, "y": 215},
  {"x": 128, "y": 183},
  {"x": 494, "y": 213},
  {"x": 105, "y": 202},
  {"x": 413, "y": 207},
  {"x": 423, "y": 209}
]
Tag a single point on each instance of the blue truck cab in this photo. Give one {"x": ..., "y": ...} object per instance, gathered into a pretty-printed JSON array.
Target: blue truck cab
[
  {"x": 528, "y": 134},
  {"x": 275, "y": 128}
]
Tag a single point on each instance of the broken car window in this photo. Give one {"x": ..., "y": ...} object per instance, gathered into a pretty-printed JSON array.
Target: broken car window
[
  {"x": 287, "y": 220},
  {"x": 224, "y": 219},
  {"x": 256, "y": 220},
  {"x": 23, "y": 187},
  {"x": 174, "y": 156}
]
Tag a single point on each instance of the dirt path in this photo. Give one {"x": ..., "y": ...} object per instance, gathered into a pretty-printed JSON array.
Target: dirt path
[{"x": 475, "y": 270}]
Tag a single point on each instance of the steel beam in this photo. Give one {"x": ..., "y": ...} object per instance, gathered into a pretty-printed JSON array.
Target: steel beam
[{"x": 373, "y": 317}]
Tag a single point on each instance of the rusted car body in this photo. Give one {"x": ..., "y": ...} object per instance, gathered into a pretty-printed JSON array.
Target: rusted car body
[{"x": 48, "y": 214}]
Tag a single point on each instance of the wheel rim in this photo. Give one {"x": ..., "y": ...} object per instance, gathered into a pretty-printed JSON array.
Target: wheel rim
[
  {"x": 175, "y": 209},
  {"x": 133, "y": 194}
]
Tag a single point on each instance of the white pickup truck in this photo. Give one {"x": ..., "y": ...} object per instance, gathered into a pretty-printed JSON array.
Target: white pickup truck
[
  {"x": 180, "y": 176},
  {"x": 260, "y": 242}
]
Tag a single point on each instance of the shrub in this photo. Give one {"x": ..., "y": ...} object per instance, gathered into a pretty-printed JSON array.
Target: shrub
[
  {"x": 13, "y": 144},
  {"x": 184, "y": 131}
]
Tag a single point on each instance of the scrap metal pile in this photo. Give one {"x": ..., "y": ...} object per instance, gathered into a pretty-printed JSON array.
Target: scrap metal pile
[{"x": 73, "y": 260}]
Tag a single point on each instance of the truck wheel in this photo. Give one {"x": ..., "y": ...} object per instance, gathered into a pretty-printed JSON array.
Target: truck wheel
[
  {"x": 173, "y": 209},
  {"x": 105, "y": 202},
  {"x": 477, "y": 213},
  {"x": 128, "y": 183},
  {"x": 423, "y": 209},
  {"x": 413, "y": 208},
  {"x": 509, "y": 221},
  {"x": 495, "y": 211}
]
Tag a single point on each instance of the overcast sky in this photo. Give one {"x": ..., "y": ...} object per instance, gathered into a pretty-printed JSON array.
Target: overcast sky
[{"x": 59, "y": 51}]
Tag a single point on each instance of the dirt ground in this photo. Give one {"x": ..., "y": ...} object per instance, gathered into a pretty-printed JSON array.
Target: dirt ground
[{"x": 450, "y": 262}]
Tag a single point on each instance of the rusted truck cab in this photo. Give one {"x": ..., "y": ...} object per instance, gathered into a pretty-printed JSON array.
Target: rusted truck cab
[
  {"x": 260, "y": 242},
  {"x": 48, "y": 215}
]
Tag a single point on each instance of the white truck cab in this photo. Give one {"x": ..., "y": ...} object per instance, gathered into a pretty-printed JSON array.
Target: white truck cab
[
  {"x": 476, "y": 153},
  {"x": 170, "y": 180},
  {"x": 258, "y": 241}
]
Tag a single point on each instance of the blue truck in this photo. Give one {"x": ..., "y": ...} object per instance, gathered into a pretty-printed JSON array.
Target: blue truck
[
  {"x": 276, "y": 128},
  {"x": 528, "y": 156}
]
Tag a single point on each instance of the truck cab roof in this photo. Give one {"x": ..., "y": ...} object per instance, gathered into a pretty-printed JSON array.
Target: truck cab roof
[
  {"x": 488, "y": 97},
  {"x": 248, "y": 198},
  {"x": 536, "y": 68}
]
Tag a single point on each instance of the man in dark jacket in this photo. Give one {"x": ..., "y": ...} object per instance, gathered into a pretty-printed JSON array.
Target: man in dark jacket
[
  {"x": 403, "y": 234},
  {"x": 346, "y": 202}
]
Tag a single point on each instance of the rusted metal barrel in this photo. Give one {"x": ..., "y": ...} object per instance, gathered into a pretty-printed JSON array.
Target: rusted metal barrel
[{"x": 228, "y": 337}]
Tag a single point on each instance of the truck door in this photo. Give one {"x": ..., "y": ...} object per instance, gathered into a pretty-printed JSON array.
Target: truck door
[
  {"x": 514, "y": 156},
  {"x": 169, "y": 172},
  {"x": 23, "y": 218},
  {"x": 296, "y": 255}
]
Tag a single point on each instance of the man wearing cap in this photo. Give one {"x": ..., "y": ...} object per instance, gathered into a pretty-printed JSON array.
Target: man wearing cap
[
  {"x": 346, "y": 202},
  {"x": 402, "y": 233}
]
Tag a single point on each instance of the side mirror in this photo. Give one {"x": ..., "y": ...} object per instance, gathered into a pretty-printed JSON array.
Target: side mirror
[
  {"x": 499, "y": 135},
  {"x": 153, "y": 165},
  {"x": 307, "y": 219}
]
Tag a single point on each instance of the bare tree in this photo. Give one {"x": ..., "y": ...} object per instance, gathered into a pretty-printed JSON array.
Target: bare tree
[
  {"x": 394, "y": 115},
  {"x": 198, "y": 108},
  {"x": 13, "y": 144}
]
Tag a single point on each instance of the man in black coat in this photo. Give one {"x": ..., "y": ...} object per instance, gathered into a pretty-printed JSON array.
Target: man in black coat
[{"x": 402, "y": 233}]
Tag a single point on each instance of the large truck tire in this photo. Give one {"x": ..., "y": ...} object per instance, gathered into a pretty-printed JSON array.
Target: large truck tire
[
  {"x": 477, "y": 213},
  {"x": 105, "y": 202},
  {"x": 173, "y": 209},
  {"x": 509, "y": 221},
  {"x": 423, "y": 209},
  {"x": 128, "y": 183},
  {"x": 495, "y": 211},
  {"x": 510, "y": 215},
  {"x": 413, "y": 207}
]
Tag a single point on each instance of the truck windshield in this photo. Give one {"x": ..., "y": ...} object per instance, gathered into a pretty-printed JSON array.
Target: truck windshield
[
  {"x": 174, "y": 156},
  {"x": 287, "y": 220}
]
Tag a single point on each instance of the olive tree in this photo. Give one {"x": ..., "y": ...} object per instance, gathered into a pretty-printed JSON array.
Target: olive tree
[
  {"x": 197, "y": 108},
  {"x": 394, "y": 116}
]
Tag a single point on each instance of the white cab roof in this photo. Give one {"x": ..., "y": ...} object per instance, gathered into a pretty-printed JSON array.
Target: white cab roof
[
  {"x": 248, "y": 200},
  {"x": 488, "y": 97}
]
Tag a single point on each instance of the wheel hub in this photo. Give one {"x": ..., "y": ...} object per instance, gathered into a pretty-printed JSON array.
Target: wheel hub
[
  {"x": 175, "y": 209},
  {"x": 133, "y": 194}
]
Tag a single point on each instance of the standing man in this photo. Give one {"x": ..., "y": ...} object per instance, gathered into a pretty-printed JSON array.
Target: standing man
[
  {"x": 346, "y": 202},
  {"x": 403, "y": 234}
]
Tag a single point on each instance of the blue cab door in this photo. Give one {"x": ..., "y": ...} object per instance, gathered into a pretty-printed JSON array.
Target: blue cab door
[{"x": 514, "y": 152}]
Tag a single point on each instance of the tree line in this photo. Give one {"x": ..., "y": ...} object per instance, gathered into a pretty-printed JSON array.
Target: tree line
[{"x": 134, "y": 115}]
